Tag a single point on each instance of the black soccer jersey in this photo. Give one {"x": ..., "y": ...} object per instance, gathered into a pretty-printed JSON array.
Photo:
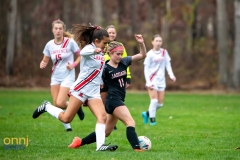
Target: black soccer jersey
[{"x": 115, "y": 78}]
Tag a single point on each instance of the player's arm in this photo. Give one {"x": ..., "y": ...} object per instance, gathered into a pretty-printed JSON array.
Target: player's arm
[
  {"x": 128, "y": 68},
  {"x": 143, "y": 51},
  {"x": 147, "y": 71},
  {"x": 169, "y": 68},
  {"x": 44, "y": 62},
  {"x": 78, "y": 59},
  {"x": 70, "y": 66},
  {"x": 89, "y": 50},
  {"x": 76, "y": 52}
]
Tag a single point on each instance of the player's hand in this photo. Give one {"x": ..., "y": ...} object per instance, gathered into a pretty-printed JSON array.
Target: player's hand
[
  {"x": 150, "y": 87},
  {"x": 127, "y": 85},
  {"x": 101, "y": 86},
  {"x": 139, "y": 38},
  {"x": 43, "y": 64},
  {"x": 70, "y": 66},
  {"x": 174, "y": 79},
  {"x": 98, "y": 50}
]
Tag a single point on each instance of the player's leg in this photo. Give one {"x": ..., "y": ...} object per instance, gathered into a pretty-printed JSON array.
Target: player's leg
[
  {"x": 123, "y": 114},
  {"x": 91, "y": 138},
  {"x": 62, "y": 102},
  {"x": 160, "y": 99},
  {"x": 55, "y": 92},
  {"x": 103, "y": 96},
  {"x": 97, "y": 108},
  {"x": 110, "y": 124},
  {"x": 68, "y": 82},
  {"x": 62, "y": 97},
  {"x": 58, "y": 113},
  {"x": 151, "y": 113}
]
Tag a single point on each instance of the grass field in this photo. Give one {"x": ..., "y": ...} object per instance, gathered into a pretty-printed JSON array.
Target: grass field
[{"x": 203, "y": 126}]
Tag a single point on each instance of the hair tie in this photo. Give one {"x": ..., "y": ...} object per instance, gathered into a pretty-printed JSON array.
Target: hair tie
[
  {"x": 56, "y": 20},
  {"x": 96, "y": 27}
]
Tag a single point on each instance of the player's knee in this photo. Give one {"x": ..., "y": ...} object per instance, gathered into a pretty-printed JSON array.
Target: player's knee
[
  {"x": 102, "y": 118},
  {"x": 130, "y": 122},
  {"x": 60, "y": 104},
  {"x": 66, "y": 119}
]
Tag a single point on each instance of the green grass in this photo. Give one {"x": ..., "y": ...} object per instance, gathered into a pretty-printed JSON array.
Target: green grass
[{"x": 203, "y": 126}]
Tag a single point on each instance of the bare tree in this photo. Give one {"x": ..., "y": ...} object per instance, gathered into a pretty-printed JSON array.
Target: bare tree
[
  {"x": 165, "y": 23},
  {"x": 222, "y": 41},
  {"x": 12, "y": 17},
  {"x": 236, "y": 59},
  {"x": 97, "y": 12},
  {"x": 19, "y": 35},
  {"x": 66, "y": 12},
  {"x": 134, "y": 22}
]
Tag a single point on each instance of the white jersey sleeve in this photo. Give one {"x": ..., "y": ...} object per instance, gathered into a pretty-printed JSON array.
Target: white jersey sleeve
[
  {"x": 168, "y": 65},
  {"x": 46, "y": 50},
  {"x": 147, "y": 70},
  {"x": 88, "y": 50}
]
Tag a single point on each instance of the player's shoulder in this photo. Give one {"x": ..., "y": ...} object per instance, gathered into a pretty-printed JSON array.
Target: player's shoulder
[
  {"x": 127, "y": 58},
  {"x": 89, "y": 46},
  {"x": 150, "y": 52},
  {"x": 50, "y": 42}
]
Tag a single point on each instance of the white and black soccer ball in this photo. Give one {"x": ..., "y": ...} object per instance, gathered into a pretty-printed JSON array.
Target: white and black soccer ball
[{"x": 144, "y": 142}]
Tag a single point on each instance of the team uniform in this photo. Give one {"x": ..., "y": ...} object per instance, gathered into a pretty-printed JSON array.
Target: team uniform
[
  {"x": 107, "y": 58},
  {"x": 61, "y": 55},
  {"x": 154, "y": 69},
  {"x": 115, "y": 80},
  {"x": 87, "y": 85}
]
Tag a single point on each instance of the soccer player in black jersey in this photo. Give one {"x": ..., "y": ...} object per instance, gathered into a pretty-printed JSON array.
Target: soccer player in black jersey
[{"x": 114, "y": 76}]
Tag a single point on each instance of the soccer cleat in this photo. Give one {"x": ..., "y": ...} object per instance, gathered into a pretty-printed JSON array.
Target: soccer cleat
[
  {"x": 69, "y": 130},
  {"x": 115, "y": 128},
  {"x": 153, "y": 123},
  {"x": 145, "y": 117},
  {"x": 138, "y": 150},
  {"x": 75, "y": 143},
  {"x": 41, "y": 109},
  {"x": 107, "y": 147},
  {"x": 80, "y": 113}
]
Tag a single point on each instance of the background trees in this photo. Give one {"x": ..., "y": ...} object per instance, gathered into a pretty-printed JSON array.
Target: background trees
[{"x": 201, "y": 37}]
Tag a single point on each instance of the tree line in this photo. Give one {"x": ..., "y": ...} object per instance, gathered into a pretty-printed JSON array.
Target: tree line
[{"x": 201, "y": 36}]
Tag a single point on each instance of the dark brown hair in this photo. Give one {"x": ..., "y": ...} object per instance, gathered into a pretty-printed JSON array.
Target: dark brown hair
[{"x": 84, "y": 34}]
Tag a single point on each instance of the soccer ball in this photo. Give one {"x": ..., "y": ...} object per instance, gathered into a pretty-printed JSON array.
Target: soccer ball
[{"x": 144, "y": 142}]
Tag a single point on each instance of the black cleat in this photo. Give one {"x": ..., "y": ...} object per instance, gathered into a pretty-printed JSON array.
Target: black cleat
[
  {"x": 107, "y": 147},
  {"x": 115, "y": 128},
  {"x": 69, "y": 130},
  {"x": 80, "y": 113},
  {"x": 40, "y": 109}
]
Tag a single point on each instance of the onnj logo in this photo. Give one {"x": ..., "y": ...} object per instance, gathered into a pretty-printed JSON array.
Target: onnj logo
[{"x": 15, "y": 143}]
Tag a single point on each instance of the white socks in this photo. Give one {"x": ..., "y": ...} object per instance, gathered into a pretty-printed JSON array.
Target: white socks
[
  {"x": 152, "y": 108},
  {"x": 100, "y": 134},
  {"x": 159, "y": 105},
  {"x": 54, "y": 111},
  {"x": 66, "y": 125}
]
